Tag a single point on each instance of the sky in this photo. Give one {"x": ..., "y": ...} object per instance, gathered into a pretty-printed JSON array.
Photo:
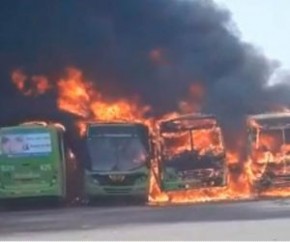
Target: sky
[{"x": 265, "y": 23}]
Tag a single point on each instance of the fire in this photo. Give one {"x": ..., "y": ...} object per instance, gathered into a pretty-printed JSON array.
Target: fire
[
  {"x": 204, "y": 141},
  {"x": 119, "y": 110},
  {"x": 269, "y": 158},
  {"x": 208, "y": 141},
  {"x": 82, "y": 127},
  {"x": 74, "y": 93},
  {"x": 270, "y": 147},
  {"x": 34, "y": 86},
  {"x": 270, "y": 153},
  {"x": 80, "y": 97},
  {"x": 239, "y": 187}
]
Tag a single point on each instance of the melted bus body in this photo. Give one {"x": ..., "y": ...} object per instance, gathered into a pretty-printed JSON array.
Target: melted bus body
[
  {"x": 269, "y": 150},
  {"x": 32, "y": 161},
  {"x": 192, "y": 153},
  {"x": 118, "y": 160}
]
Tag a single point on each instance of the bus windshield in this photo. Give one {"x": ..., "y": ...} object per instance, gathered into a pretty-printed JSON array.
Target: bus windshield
[
  {"x": 197, "y": 141},
  {"x": 273, "y": 140},
  {"x": 116, "y": 153}
]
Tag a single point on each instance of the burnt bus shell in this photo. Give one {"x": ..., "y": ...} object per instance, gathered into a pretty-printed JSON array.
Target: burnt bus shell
[
  {"x": 191, "y": 170},
  {"x": 273, "y": 175}
]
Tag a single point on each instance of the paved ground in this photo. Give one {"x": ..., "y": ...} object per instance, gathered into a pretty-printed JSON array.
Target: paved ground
[{"x": 259, "y": 220}]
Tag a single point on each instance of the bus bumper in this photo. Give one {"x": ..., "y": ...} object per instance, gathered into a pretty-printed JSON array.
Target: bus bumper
[{"x": 96, "y": 190}]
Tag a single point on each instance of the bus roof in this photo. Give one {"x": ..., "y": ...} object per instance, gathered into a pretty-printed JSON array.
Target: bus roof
[
  {"x": 117, "y": 123},
  {"x": 276, "y": 120},
  {"x": 264, "y": 116},
  {"x": 188, "y": 122},
  {"x": 31, "y": 125}
]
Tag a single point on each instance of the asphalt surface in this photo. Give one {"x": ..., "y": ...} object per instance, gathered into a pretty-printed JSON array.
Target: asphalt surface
[{"x": 256, "y": 220}]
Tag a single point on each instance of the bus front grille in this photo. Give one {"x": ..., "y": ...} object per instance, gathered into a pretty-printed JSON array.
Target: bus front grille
[{"x": 129, "y": 180}]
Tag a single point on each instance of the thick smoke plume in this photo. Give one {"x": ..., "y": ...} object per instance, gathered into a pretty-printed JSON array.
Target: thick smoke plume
[{"x": 155, "y": 49}]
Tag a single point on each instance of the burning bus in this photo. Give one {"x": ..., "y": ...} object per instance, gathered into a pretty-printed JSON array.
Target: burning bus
[
  {"x": 269, "y": 150},
  {"x": 192, "y": 153},
  {"x": 118, "y": 160},
  {"x": 32, "y": 161}
]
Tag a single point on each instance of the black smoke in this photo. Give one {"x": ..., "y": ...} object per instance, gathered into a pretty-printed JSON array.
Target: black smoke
[{"x": 153, "y": 48}]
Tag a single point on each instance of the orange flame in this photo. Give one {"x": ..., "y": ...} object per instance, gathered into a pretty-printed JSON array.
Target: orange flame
[
  {"x": 74, "y": 94},
  {"x": 205, "y": 140},
  {"x": 79, "y": 97},
  {"x": 34, "y": 86},
  {"x": 270, "y": 155},
  {"x": 238, "y": 188}
]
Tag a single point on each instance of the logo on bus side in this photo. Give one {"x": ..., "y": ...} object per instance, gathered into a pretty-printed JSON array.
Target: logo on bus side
[{"x": 117, "y": 178}]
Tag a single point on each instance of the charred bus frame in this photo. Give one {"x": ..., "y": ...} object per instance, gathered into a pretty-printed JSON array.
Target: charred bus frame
[
  {"x": 204, "y": 170},
  {"x": 268, "y": 170}
]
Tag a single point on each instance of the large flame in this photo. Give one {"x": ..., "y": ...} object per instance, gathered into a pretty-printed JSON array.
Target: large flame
[
  {"x": 206, "y": 140},
  {"x": 80, "y": 97},
  {"x": 238, "y": 188},
  {"x": 270, "y": 154},
  {"x": 74, "y": 94}
]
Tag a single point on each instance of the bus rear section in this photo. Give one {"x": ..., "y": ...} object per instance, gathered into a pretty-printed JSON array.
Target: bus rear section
[
  {"x": 269, "y": 150},
  {"x": 118, "y": 160},
  {"x": 192, "y": 153},
  {"x": 32, "y": 162}
]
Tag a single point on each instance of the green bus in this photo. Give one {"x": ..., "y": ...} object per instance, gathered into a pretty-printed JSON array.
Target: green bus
[
  {"x": 118, "y": 160},
  {"x": 32, "y": 161}
]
